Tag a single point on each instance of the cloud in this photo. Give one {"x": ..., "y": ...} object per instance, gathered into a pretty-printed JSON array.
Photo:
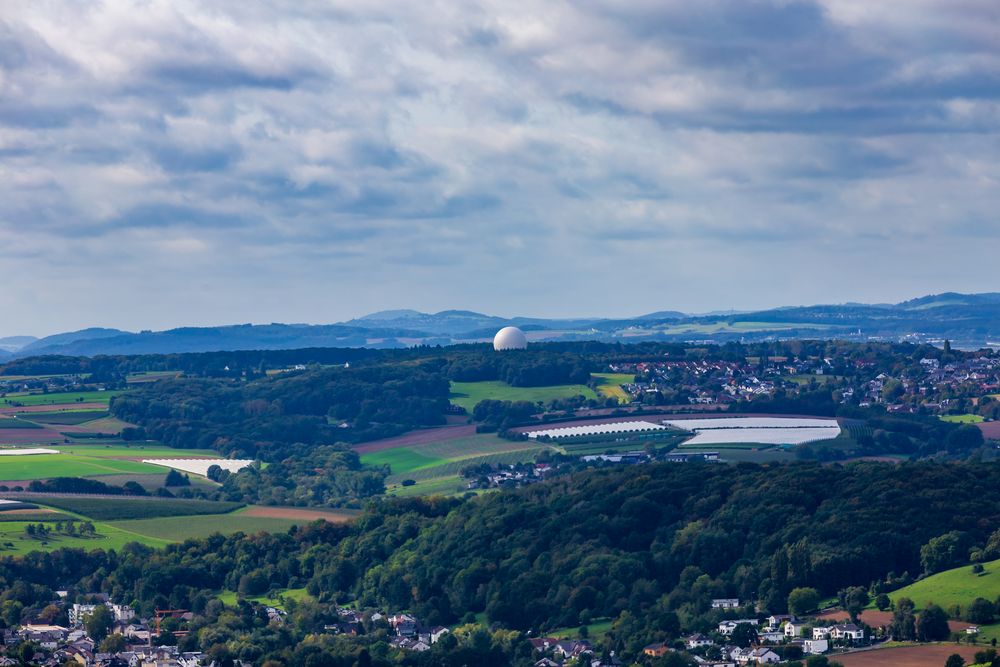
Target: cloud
[{"x": 370, "y": 154}]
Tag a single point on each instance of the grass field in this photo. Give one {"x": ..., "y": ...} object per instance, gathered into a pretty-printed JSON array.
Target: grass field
[
  {"x": 609, "y": 385},
  {"x": 959, "y": 586},
  {"x": 451, "y": 468},
  {"x": 962, "y": 419},
  {"x": 66, "y": 417},
  {"x": 145, "y": 451},
  {"x": 180, "y": 528},
  {"x": 435, "y": 486},
  {"x": 595, "y": 631},
  {"x": 435, "y": 455},
  {"x": 60, "y": 398},
  {"x": 122, "y": 509},
  {"x": 401, "y": 460},
  {"x": 14, "y": 542},
  {"x": 467, "y": 394},
  {"x": 15, "y": 422},
  {"x": 229, "y": 598},
  {"x": 44, "y": 466},
  {"x": 806, "y": 379}
]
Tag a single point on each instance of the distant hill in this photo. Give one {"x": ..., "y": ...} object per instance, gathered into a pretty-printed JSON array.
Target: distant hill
[
  {"x": 968, "y": 320},
  {"x": 15, "y": 343}
]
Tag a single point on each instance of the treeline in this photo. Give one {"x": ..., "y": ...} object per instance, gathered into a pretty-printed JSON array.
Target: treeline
[
  {"x": 274, "y": 417},
  {"x": 534, "y": 367}
]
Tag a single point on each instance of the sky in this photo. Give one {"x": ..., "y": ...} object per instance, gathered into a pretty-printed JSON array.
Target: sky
[{"x": 175, "y": 162}]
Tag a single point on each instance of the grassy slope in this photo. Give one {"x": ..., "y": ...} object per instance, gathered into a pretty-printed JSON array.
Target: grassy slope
[
  {"x": 63, "y": 398},
  {"x": 962, "y": 419},
  {"x": 609, "y": 385},
  {"x": 299, "y": 594},
  {"x": 43, "y": 466},
  {"x": 959, "y": 586},
  {"x": 467, "y": 394},
  {"x": 180, "y": 528},
  {"x": 108, "y": 537}
]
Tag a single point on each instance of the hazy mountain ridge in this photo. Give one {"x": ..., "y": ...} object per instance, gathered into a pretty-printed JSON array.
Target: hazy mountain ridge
[{"x": 970, "y": 319}]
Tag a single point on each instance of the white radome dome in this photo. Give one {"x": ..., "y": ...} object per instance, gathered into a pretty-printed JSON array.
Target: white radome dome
[{"x": 510, "y": 338}]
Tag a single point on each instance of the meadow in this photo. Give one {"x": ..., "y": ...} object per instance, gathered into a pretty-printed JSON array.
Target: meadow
[
  {"x": 962, "y": 419},
  {"x": 66, "y": 417},
  {"x": 609, "y": 385},
  {"x": 66, "y": 398},
  {"x": 275, "y": 599},
  {"x": 958, "y": 586},
  {"x": 15, "y": 422},
  {"x": 467, "y": 394},
  {"x": 45, "y": 466},
  {"x": 14, "y": 541},
  {"x": 180, "y": 528},
  {"x": 435, "y": 455}
]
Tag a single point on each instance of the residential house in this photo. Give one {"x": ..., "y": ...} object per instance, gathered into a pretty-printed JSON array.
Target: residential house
[
  {"x": 726, "y": 627},
  {"x": 725, "y": 603},
  {"x": 657, "y": 650},
  {"x": 697, "y": 640},
  {"x": 847, "y": 631},
  {"x": 815, "y": 646},
  {"x": 794, "y": 629}
]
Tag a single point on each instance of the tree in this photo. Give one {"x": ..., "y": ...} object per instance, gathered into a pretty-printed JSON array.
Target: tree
[
  {"x": 882, "y": 601},
  {"x": 904, "y": 623},
  {"x": 932, "y": 625},
  {"x": 855, "y": 600},
  {"x": 744, "y": 634},
  {"x": 113, "y": 644},
  {"x": 981, "y": 612},
  {"x": 954, "y": 660},
  {"x": 803, "y": 600},
  {"x": 99, "y": 622},
  {"x": 944, "y": 551},
  {"x": 174, "y": 478}
]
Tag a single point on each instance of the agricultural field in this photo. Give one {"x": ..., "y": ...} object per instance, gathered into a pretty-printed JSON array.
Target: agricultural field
[
  {"x": 180, "y": 528},
  {"x": 808, "y": 378},
  {"x": 436, "y": 486},
  {"x": 106, "y": 508},
  {"x": 150, "y": 376},
  {"x": 609, "y": 385},
  {"x": 65, "y": 398},
  {"x": 453, "y": 468},
  {"x": 16, "y": 423},
  {"x": 65, "y": 417},
  {"x": 924, "y": 655},
  {"x": 962, "y": 419},
  {"x": 15, "y": 542},
  {"x": 45, "y": 466},
  {"x": 404, "y": 460},
  {"x": 467, "y": 394},
  {"x": 959, "y": 586}
]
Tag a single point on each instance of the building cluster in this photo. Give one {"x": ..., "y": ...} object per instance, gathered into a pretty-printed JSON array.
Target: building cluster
[
  {"x": 57, "y": 645},
  {"x": 770, "y": 639},
  {"x": 552, "y": 652}
]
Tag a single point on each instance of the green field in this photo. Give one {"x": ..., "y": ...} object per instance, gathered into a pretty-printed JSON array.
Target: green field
[
  {"x": 806, "y": 379},
  {"x": 595, "y": 631},
  {"x": 130, "y": 507},
  {"x": 609, "y": 385},
  {"x": 959, "y": 586},
  {"x": 44, "y": 466},
  {"x": 435, "y": 486},
  {"x": 15, "y": 422},
  {"x": 274, "y": 599},
  {"x": 435, "y": 455},
  {"x": 66, "y": 398},
  {"x": 180, "y": 528},
  {"x": 66, "y": 417},
  {"x": 962, "y": 419},
  {"x": 467, "y": 394},
  {"x": 121, "y": 450},
  {"x": 14, "y": 542}
]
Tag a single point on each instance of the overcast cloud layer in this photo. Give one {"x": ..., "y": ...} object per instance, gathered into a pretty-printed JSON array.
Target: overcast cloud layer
[{"x": 173, "y": 162}]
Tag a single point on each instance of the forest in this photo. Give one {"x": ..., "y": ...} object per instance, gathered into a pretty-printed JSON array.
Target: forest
[{"x": 646, "y": 546}]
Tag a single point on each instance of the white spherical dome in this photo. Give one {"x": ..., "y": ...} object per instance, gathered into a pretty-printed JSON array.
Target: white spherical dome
[{"x": 510, "y": 338}]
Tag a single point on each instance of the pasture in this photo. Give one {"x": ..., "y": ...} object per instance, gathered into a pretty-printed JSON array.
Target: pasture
[
  {"x": 958, "y": 586},
  {"x": 467, "y": 394},
  {"x": 45, "y": 466},
  {"x": 180, "y": 528},
  {"x": 65, "y": 398},
  {"x": 962, "y": 419},
  {"x": 14, "y": 541},
  {"x": 609, "y": 385},
  {"x": 275, "y": 599}
]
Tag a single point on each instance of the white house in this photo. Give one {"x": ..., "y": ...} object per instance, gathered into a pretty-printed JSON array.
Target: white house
[
  {"x": 697, "y": 640},
  {"x": 793, "y": 629},
  {"x": 847, "y": 631},
  {"x": 771, "y": 636},
  {"x": 757, "y": 656},
  {"x": 815, "y": 646},
  {"x": 725, "y": 603},
  {"x": 821, "y": 633},
  {"x": 726, "y": 627},
  {"x": 775, "y": 620}
]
